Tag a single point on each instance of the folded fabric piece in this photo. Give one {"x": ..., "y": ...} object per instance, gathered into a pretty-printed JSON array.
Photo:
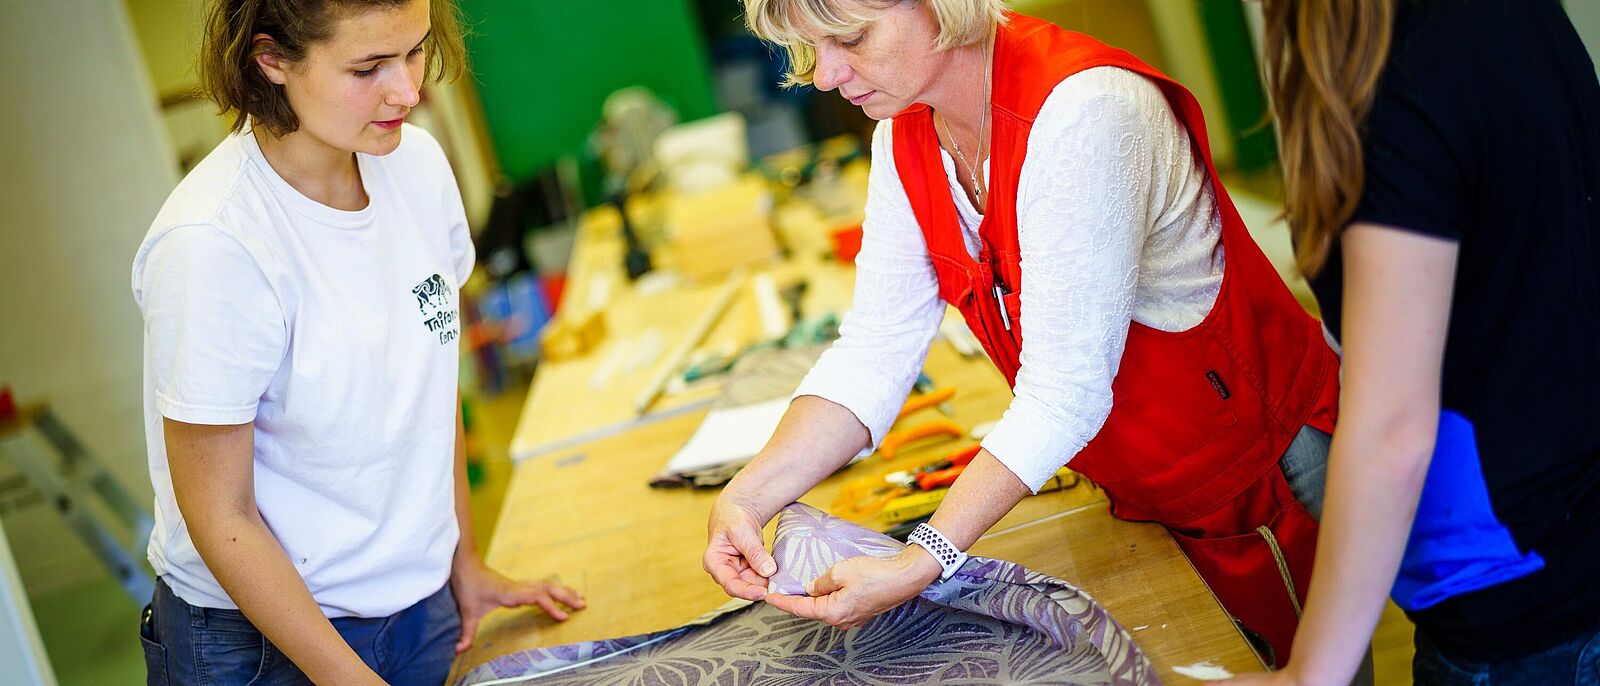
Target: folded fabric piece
[
  {"x": 992, "y": 622},
  {"x": 1457, "y": 544}
]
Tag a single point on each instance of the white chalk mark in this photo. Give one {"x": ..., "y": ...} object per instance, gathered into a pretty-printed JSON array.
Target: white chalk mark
[{"x": 1204, "y": 671}]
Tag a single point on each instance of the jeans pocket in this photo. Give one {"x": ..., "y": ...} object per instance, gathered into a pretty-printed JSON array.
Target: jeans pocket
[
  {"x": 1429, "y": 667},
  {"x": 155, "y": 656},
  {"x": 1588, "y": 668},
  {"x": 276, "y": 669},
  {"x": 226, "y": 657},
  {"x": 155, "y": 662}
]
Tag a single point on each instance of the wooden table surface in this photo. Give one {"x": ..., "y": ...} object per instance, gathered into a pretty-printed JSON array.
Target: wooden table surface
[
  {"x": 587, "y": 516},
  {"x": 579, "y": 507}
]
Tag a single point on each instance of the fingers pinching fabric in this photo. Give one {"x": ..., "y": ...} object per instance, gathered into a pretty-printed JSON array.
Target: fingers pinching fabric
[{"x": 992, "y": 622}]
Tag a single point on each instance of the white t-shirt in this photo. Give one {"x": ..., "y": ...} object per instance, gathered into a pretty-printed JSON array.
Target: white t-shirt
[
  {"x": 1116, "y": 221},
  {"x": 337, "y": 334}
]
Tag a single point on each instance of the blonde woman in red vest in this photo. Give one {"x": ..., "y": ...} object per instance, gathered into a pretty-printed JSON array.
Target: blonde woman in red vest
[{"x": 1060, "y": 193}]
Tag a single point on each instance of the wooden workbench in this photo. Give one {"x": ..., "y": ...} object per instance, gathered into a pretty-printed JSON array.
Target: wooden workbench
[
  {"x": 579, "y": 508},
  {"x": 586, "y": 516}
]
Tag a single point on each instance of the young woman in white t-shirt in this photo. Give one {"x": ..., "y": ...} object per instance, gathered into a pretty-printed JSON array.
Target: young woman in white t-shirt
[{"x": 299, "y": 291}]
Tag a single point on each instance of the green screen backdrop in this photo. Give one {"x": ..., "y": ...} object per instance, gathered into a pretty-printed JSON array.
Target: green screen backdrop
[{"x": 544, "y": 67}]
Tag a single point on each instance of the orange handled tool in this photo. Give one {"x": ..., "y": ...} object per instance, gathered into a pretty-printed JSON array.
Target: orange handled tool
[
  {"x": 895, "y": 440},
  {"x": 926, "y": 400},
  {"x": 928, "y": 481},
  {"x": 964, "y": 456}
]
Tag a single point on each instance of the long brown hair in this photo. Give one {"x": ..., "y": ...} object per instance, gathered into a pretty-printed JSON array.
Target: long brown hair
[
  {"x": 1324, "y": 59},
  {"x": 228, "y": 72}
]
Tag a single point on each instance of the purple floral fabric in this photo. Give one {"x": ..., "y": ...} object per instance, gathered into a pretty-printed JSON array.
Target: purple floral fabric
[
  {"x": 992, "y": 622},
  {"x": 809, "y": 541}
]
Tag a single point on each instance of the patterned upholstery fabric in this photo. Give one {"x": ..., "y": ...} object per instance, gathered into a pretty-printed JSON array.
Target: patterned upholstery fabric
[{"x": 992, "y": 622}]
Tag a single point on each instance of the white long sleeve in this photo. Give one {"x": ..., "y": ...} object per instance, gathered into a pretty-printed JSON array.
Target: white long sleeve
[
  {"x": 895, "y": 311},
  {"x": 1116, "y": 224},
  {"x": 1109, "y": 233}
]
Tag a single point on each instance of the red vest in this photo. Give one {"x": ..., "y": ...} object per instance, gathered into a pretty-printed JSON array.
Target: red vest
[{"x": 1200, "y": 417}]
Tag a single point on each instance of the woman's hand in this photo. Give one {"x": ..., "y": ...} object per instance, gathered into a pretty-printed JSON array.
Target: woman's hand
[
  {"x": 479, "y": 589},
  {"x": 814, "y": 439},
  {"x": 860, "y": 588},
  {"x": 735, "y": 556}
]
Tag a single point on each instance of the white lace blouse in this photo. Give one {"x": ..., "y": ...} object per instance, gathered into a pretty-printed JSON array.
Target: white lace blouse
[{"x": 1116, "y": 223}]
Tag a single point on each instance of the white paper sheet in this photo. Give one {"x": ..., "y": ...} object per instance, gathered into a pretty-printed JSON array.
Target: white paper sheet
[{"x": 729, "y": 435}]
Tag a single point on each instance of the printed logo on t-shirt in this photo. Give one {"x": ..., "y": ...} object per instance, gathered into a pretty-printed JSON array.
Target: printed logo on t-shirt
[{"x": 433, "y": 300}]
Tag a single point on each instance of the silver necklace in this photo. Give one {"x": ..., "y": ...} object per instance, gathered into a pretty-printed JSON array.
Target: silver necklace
[{"x": 983, "y": 129}]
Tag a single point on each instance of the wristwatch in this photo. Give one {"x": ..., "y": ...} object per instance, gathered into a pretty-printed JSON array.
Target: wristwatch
[{"x": 949, "y": 557}]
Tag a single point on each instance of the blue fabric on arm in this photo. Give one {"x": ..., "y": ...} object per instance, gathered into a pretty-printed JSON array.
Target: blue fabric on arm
[{"x": 1457, "y": 543}]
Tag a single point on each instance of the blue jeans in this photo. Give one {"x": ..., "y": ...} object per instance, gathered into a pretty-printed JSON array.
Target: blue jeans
[
  {"x": 1305, "y": 467},
  {"x": 1574, "y": 663},
  {"x": 185, "y": 645}
]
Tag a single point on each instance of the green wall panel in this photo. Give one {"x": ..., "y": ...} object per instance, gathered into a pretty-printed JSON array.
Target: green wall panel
[
  {"x": 1238, "y": 77},
  {"x": 544, "y": 67}
]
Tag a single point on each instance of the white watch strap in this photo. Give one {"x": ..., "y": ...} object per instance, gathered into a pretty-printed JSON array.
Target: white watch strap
[{"x": 949, "y": 557}]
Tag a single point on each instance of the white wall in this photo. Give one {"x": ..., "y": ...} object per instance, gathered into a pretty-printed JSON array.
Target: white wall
[
  {"x": 84, "y": 165},
  {"x": 21, "y": 649}
]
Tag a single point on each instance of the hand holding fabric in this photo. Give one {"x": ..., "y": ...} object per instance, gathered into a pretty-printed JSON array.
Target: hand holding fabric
[
  {"x": 735, "y": 556},
  {"x": 479, "y": 589},
  {"x": 860, "y": 588}
]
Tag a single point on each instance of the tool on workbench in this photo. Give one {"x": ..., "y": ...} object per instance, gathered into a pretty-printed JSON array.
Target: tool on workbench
[
  {"x": 924, "y": 385},
  {"x": 691, "y": 340},
  {"x": 771, "y": 312},
  {"x": 902, "y": 531},
  {"x": 925, "y": 479},
  {"x": 960, "y": 457},
  {"x": 863, "y": 498},
  {"x": 804, "y": 333},
  {"x": 635, "y": 259},
  {"x": 917, "y": 403},
  {"x": 896, "y": 440},
  {"x": 943, "y": 478},
  {"x": 938, "y": 473},
  {"x": 914, "y": 505}
]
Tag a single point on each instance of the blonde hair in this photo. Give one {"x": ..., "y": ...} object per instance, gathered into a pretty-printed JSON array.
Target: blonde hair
[
  {"x": 961, "y": 22},
  {"x": 1324, "y": 62}
]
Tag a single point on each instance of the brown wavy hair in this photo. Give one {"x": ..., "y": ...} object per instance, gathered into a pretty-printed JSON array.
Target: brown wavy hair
[
  {"x": 1324, "y": 59},
  {"x": 230, "y": 77}
]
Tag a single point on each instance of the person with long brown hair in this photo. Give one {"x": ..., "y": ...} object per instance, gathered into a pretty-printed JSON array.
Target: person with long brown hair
[
  {"x": 301, "y": 344},
  {"x": 1442, "y": 169}
]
